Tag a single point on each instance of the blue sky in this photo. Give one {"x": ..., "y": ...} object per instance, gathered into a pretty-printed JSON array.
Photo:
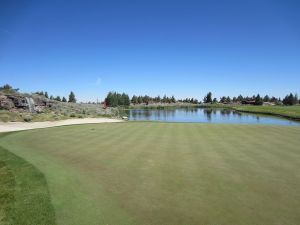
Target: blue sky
[{"x": 182, "y": 48}]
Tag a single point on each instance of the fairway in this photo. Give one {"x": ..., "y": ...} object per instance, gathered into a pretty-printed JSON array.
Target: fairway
[{"x": 166, "y": 173}]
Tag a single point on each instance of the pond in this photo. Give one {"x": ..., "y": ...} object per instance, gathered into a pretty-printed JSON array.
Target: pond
[{"x": 204, "y": 115}]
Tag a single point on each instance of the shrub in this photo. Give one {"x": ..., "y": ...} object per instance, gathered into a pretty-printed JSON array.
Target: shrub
[{"x": 27, "y": 118}]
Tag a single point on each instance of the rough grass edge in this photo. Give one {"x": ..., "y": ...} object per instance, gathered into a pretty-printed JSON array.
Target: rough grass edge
[{"x": 24, "y": 194}]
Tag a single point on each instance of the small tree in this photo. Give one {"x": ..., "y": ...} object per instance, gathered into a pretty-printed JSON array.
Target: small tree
[
  {"x": 72, "y": 97},
  {"x": 266, "y": 98},
  {"x": 46, "y": 94},
  {"x": 158, "y": 99},
  {"x": 258, "y": 100},
  {"x": 125, "y": 100},
  {"x": 165, "y": 99},
  {"x": 228, "y": 100},
  {"x": 64, "y": 99},
  {"x": 140, "y": 100},
  {"x": 173, "y": 100},
  {"x": 208, "y": 98},
  {"x": 58, "y": 98},
  {"x": 134, "y": 100},
  {"x": 295, "y": 101},
  {"x": 240, "y": 98},
  {"x": 223, "y": 99},
  {"x": 290, "y": 99}
]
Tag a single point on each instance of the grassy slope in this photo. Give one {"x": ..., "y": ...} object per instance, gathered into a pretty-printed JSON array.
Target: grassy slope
[
  {"x": 292, "y": 112},
  {"x": 24, "y": 195},
  {"x": 167, "y": 173}
]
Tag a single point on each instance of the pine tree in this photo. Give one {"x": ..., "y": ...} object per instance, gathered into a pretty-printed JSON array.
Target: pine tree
[
  {"x": 223, "y": 99},
  {"x": 208, "y": 98},
  {"x": 173, "y": 100},
  {"x": 290, "y": 99},
  {"x": 228, "y": 100},
  {"x": 240, "y": 98},
  {"x": 134, "y": 100},
  {"x": 266, "y": 98},
  {"x": 72, "y": 97},
  {"x": 64, "y": 99},
  {"x": 258, "y": 100}
]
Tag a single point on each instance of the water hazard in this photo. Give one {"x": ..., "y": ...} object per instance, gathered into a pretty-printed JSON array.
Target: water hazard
[{"x": 203, "y": 115}]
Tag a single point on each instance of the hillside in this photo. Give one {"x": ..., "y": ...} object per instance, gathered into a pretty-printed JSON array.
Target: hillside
[{"x": 15, "y": 106}]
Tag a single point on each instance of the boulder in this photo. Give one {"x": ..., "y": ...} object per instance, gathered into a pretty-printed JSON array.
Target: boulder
[{"x": 6, "y": 103}]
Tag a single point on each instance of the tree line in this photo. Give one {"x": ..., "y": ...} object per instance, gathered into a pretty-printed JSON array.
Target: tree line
[
  {"x": 72, "y": 97},
  {"x": 147, "y": 99},
  {"x": 290, "y": 99},
  {"x": 114, "y": 99}
]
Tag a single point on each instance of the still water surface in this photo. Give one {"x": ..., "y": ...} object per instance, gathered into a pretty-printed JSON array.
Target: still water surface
[{"x": 201, "y": 115}]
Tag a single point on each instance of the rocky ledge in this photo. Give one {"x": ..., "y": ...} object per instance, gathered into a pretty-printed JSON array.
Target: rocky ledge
[{"x": 20, "y": 102}]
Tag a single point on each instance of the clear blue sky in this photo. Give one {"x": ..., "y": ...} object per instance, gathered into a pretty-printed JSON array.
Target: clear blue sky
[{"x": 182, "y": 48}]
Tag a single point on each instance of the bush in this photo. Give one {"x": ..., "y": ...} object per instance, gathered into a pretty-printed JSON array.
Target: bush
[{"x": 27, "y": 118}]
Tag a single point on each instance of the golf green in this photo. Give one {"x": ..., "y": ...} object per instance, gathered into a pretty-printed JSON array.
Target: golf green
[{"x": 166, "y": 173}]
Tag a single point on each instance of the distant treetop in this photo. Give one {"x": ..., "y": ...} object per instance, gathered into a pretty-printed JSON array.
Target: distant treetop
[{"x": 8, "y": 89}]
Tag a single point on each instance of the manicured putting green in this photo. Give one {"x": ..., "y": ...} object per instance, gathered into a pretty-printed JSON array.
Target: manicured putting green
[{"x": 167, "y": 173}]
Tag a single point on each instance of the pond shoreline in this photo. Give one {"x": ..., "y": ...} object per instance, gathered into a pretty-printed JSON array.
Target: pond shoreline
[
  {"x": 208, "y": 115},
  {"x": 269, "y": 114},
  {"x": 263, "y": 110}
]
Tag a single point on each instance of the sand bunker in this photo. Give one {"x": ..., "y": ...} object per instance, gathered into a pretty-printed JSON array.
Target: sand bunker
[{"x": 15, "y": 126}]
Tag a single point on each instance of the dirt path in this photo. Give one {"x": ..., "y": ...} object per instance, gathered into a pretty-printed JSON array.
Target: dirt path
[{"x": 15, "y": 126}]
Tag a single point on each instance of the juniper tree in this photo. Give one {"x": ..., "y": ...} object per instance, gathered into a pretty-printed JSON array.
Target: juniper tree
[
  {"x": 208, "y": 98},
  {"x": 72, "y": 97}
]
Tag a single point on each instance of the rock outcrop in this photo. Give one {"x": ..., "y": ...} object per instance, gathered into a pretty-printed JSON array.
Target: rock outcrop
[
  {"x": 20, "y": 102},
  {"x": 6, "y": 103}
]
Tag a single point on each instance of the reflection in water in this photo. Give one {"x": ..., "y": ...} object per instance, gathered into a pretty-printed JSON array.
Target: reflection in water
[
  {"x": 225, "y": 112},
  {"x": 205, "y": 115}
]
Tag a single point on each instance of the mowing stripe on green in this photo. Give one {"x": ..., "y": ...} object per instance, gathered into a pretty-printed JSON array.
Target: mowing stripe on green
[{"x": 167, "y": 173}]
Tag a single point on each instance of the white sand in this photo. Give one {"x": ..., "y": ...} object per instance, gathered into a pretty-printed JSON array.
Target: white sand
[{"x": 15, "y": 126}]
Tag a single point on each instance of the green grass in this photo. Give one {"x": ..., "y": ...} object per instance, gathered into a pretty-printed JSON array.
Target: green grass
[
  {"x": 24, "y": 195},
  {"x": 292, "y": 112},
  {"x": 167, "y": 173}
]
